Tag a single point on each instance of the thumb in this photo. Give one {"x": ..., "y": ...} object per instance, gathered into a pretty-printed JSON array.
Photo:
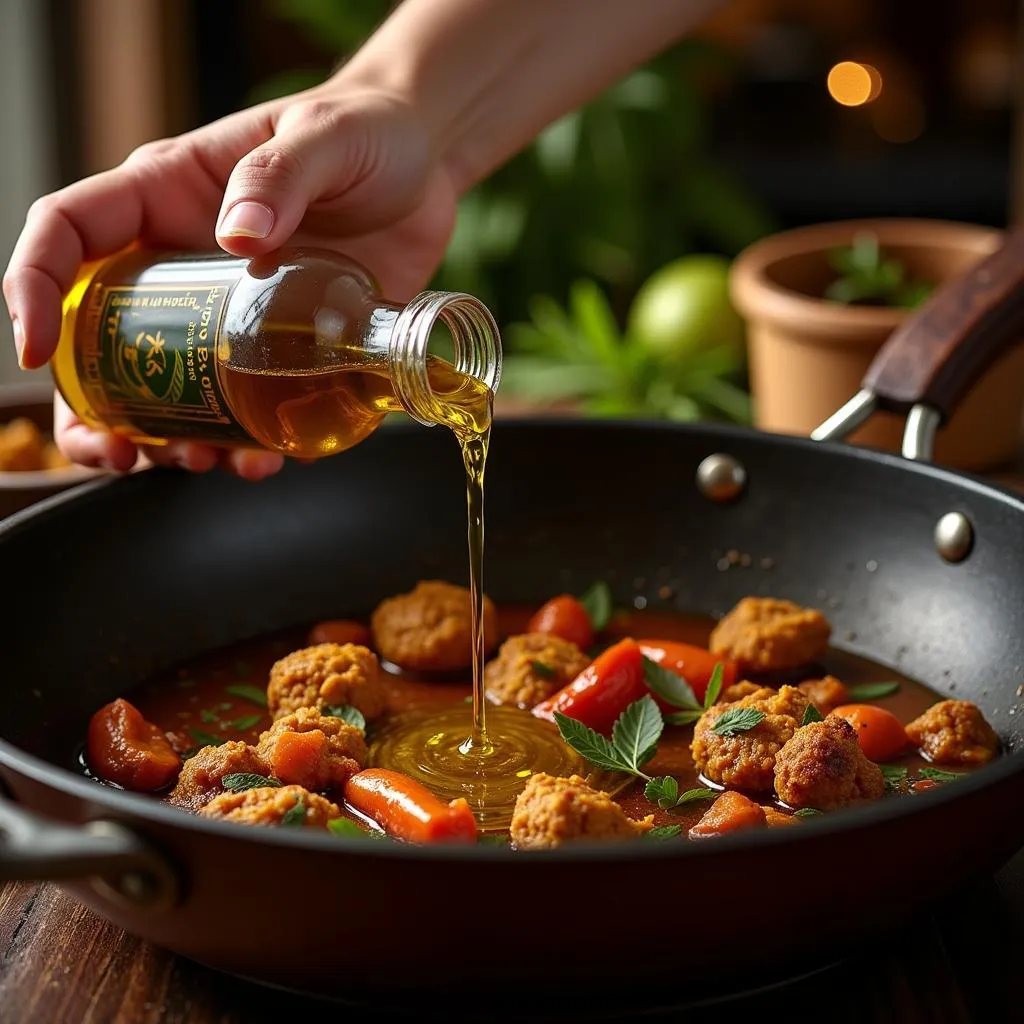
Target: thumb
[{"x": 271, "y": 187}]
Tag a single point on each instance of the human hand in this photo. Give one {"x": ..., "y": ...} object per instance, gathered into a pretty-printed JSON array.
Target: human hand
[{"x": 341, "y": 166}]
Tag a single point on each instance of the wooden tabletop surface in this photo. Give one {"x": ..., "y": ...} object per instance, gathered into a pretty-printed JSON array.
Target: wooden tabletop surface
[{"x": 60, "y": 964}]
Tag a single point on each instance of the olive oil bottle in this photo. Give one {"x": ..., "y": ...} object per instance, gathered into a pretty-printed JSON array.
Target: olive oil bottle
[{"x": 295, "y": 352}]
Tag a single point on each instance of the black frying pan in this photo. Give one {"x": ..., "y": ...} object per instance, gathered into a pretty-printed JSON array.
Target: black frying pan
[{"x": 119, "y": 580}]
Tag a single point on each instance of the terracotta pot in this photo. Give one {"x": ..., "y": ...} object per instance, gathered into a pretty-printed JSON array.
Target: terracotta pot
[{"x": 808, "y": 355}]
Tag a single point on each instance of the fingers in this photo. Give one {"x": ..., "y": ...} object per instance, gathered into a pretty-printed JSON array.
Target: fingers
[
  {"x": 250, "y": 464},
  {"x": 88, "y": 447}
]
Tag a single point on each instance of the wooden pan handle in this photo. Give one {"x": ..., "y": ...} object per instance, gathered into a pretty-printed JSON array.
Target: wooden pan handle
[{"x": 938, "y": 354}]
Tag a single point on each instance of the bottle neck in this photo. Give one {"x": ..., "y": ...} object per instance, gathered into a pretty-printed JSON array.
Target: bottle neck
[{"x": 474, "y": 333}]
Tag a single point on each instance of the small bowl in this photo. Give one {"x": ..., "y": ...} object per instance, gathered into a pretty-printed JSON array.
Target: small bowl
[{"x": 18, "y": 490}]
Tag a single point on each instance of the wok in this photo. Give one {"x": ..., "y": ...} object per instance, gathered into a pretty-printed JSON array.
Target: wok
[{"x": 917, "y": 567}]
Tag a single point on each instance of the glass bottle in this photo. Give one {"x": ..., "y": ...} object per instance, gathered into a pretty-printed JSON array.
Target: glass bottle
[{"x": 295, "y": 352}]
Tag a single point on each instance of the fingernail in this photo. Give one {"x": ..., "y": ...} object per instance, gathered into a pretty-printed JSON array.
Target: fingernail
[
  {"x": 247, "y": 219},
  {"x": 19, "y": 339}
]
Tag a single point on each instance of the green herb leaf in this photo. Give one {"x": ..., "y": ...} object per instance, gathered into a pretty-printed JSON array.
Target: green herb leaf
[
  {"x": 737, "y": 720},
  {"x": 871, "y": 691},
  {"x": 542, "y": 670},
  {"x": 636, "y": 732},
  {"x": 239, "y": 782},
  {"x": 597, "y": 600},
  {"x": 493, "y": 839},
  {"x": 347, "y": 713},
  {"x": 295, "y": 817},
  {"x": 208, "y": 717},
  {"x": 714, "y": 689},
  {"x": 246, "y": 722},
  {"x": 805, "y": 812},
  {"x": 225, "y": 706},
  {"x": 893, "y": 775},
  {"x": 205, "y": 739},
  {"x": 700, "y": 793},
  {"x": 345, "y": 827},
  {"x": 664, "y": 832},
  {"x": 683, "y": 717},
  {"x": 939, "y": 775},
  {"x": 669, "y": 686},
  {"x": 592, "y": 745},
  {"x": 664, "y": 792},
  {"x": 811, "y": 714},
  {"x": 250, "y": 693}
]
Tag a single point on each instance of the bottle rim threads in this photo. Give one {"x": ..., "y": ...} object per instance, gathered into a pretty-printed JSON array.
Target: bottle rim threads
[{"x": 476, "y": 337}]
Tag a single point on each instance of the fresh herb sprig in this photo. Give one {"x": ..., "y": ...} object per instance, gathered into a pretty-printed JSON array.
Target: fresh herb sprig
[
  {"x": 811, "y": 714},
  {"x": 939, "y": 775},
  {"x": 246, "y": 691},
  {"x": 736, "y": 720},
  {"x": 871, "y": 691},
  {"x": 673, "y": 689},
  {"x": 239, "y": 782},
  {"x": 295, "y": 816},
  {"x": 347, "y": 713},
  {"x": 597, "y": 602},
  {"x": 665, "y": 793}
]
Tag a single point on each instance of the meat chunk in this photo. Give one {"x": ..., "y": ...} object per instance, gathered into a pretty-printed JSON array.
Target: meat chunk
[
  {"x": 200, "y": 778},
  {"x": 954, "y": 732},
  {"x": 316, "y": 751},
  {"x": 731, "y": 812},
  {"x": 826, "y": 693},
  {"x": 823, "y": 767},
  {"x": 746, "y": 759},
  {"x": 764, "y": 634},
  {"x": 553, "y": 811},
  {"x": 531, "y": 667},
  {"x": 429, "y": 629},
  {"x": 326, "y": 675},
  {"x": 21, "y": 446},
  {"x": 287, "y": 806},
  {"x": 744, "y": 688}
]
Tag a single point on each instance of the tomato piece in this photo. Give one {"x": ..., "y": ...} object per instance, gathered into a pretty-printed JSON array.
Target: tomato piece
[
  {"x": 602, "y": 691},
  {"x": 694, "y": 664},
  {"x": 339, "y": 631},
  {"x": 879, "y": 732},
  {"x": 731, "y": 812},
  {"x": 923, "y": 785},
  {"x": 565, "y": 617},
  {"x": 407, "y": 810},
  {"x": 122, "y": 747}
]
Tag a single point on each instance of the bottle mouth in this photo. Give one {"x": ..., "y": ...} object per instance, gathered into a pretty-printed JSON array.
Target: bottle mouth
[{"x": 476, "y": 340}]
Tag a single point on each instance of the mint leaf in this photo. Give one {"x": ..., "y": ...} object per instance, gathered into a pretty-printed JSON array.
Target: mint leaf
[
  {"x": 711, "y": 694},
  {"x": 246, "y": 722},
  {"x": 664, "y": 792},
  {"x": 294, "y": 817},
  {"x": 249, "y": 693},
  {"x": 683, "y": 717},
  {"x": 636, "y": 732},
  {"x": 811, "y": 714},
  {"x": 205, "y": 739},
  {"x": 207, "y": 716},
  {"x": 346, "y": 827},
  {"x": 737, "y": 720},
  {"x": 542, "y": 670},
  {"x": 664, "y": 832},
  {"x": 669, "y": 686},
  {"x": 347, "y": 713},
  {"x": 590, "y": 744},
  {"x": 805, "y": 812},
  {"x": 939, "y": 775},
  {"x": 871, "y": 691},
  {"x": 893, "y": 775},
  {"x": 597, "y": 600},
  {"x": 700, "y": 793},
  {"x": 239, "y": 782}
]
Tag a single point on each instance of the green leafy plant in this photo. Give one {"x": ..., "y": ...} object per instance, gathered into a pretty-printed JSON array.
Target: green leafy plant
[{"x": 868, "y": 277}]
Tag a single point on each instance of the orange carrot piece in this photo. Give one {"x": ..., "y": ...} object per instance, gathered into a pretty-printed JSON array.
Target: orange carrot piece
[
  {"x": 296, "y": 755},
  {"x": 731, "y": 812},
  {"x": 407, "y": 810}
]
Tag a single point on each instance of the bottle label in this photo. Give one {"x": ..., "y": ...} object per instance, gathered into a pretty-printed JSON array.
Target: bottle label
[{"x": 149, "y": 359}]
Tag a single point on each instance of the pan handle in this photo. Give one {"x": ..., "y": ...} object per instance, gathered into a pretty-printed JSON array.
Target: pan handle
[
  {"x": 119, "y": 865},
  {"x": 934, "y": 357}
]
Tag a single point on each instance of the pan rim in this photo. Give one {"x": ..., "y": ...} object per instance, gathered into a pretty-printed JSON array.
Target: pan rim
[{"x": 144, "y": 808}]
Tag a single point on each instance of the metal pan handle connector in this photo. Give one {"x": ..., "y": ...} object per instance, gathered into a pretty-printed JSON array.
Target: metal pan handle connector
[
  {"x": 119, "y": 865},
  {"x": 935, "y": 357}
]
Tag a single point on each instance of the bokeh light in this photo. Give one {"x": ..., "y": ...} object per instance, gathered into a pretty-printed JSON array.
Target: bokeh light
[{"x": 853, "y": 84}]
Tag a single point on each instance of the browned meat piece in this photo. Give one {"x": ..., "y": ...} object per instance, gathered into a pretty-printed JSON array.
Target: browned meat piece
[
  {"x": 744, "y": 688},
  {"x": 764, "y": 634},
  {"x": 823, "y": 767},
  {"x": 825, "y": 694},
  {"x": 746, "y": 760},
  {"x": 954, "y": 732},
  {"x": 731, "y": 812},
  {"x": 21, "y": 446},
  {"x": 327, "y": 675},
  {"x": 552, "y": 812},
  {"x": 429, "y": 629},
  {"x": 531, "y": 667},
  {"x": 269, "y": 805},
  {"x": 199, "y": 781},
  {"x": 313, "y": 750}
]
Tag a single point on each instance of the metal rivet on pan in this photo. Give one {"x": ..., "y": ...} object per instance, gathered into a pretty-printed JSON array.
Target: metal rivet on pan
[
  {"x": 720, "y": 477},
  {"x": 954, "y": 536}
]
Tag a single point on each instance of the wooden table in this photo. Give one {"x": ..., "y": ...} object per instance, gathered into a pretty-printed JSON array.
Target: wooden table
[{"x": 60, "y": 964}]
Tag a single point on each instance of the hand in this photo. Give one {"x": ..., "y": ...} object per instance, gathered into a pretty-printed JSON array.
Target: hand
[{"x": 341, "y": 166}]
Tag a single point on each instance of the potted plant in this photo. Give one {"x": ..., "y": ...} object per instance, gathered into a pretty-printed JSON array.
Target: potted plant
[{"x": 820, "y": 301}]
